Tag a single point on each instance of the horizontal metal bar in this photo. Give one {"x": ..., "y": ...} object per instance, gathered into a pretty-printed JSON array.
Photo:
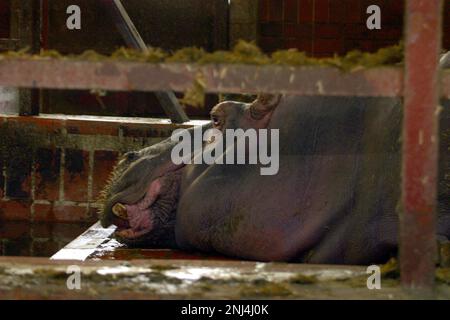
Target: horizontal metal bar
[{"x": 125, "y": 76}]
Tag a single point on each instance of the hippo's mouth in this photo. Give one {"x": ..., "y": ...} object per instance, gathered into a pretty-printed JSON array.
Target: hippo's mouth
[{"x": 151, "y": 219}]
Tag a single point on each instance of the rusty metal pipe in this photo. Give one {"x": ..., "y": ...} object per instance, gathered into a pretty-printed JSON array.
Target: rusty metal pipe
[{"x": 420, "y": 143}]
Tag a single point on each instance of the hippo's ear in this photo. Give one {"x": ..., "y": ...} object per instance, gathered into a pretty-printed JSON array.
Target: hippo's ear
[{"x": 264, "y": 104}]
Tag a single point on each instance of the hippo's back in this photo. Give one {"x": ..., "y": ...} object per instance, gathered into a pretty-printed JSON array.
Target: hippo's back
[{"x": 333, "y": 200}]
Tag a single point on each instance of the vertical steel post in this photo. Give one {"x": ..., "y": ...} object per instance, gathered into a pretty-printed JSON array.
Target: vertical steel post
[{"x": 420, "y": 143}]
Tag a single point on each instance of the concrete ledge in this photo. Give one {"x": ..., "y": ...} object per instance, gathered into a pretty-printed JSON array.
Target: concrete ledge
[{"x": 34, "y": 278}]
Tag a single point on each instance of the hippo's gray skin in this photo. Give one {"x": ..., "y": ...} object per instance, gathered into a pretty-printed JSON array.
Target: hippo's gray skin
[{"x": 334, "y": 199}]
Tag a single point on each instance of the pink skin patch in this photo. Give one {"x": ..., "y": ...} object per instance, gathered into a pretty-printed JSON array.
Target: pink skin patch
[{"x": 140, "y": 215}]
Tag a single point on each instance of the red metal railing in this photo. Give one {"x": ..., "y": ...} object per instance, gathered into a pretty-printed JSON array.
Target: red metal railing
[
  {"x": 420, "y": 142},
  {"x": 116, "y": 75},
  {"x": 419, "y": 84}
]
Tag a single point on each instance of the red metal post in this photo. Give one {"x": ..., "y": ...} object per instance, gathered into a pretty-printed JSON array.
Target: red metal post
[{"x": 420, "y": 143}]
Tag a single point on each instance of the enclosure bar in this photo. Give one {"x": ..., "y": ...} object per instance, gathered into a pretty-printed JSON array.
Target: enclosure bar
[
  {"x": 127, "y": 76},
  {"x": 420, "y": 143},
  {"x": 124, "y": 24},
  {"x": 127, "y": 29}
]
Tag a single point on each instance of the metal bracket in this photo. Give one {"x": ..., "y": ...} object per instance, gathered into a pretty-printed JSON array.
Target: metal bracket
[{"x": 133, "y": 39}]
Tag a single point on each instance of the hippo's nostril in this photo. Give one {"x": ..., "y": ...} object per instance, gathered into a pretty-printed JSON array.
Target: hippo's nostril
[{"x": 120, "y": 223}]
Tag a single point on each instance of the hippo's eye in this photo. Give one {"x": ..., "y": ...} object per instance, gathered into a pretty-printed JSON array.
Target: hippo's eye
[{"x": 215, "y": 120}]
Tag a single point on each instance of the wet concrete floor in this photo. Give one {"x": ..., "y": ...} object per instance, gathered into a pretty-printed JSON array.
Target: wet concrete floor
[
  {"x": 31, "y": 278},
  {"x": 18, "y": 238}
]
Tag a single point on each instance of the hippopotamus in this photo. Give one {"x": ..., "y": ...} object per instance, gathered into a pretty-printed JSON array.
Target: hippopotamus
[{"x": 334, "y": 199}]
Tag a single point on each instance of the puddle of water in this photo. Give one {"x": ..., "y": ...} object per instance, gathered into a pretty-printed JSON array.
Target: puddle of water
[
  {"x": 36, "y": 239},
  {"x": 113, "y": 250}
]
